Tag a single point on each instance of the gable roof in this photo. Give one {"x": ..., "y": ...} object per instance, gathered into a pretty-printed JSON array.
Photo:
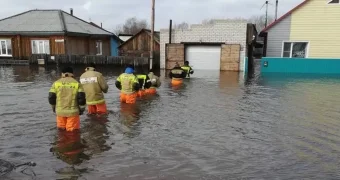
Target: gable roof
[
  {"x": 156, "y": 36},
  {"x": 48, "y": 22},
  {"x": 114, "y": 35},
  {"x": 284, "y": 16}
]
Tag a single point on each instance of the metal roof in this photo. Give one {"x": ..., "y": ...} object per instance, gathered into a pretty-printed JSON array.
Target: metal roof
[{"x": 45, "y": 21}]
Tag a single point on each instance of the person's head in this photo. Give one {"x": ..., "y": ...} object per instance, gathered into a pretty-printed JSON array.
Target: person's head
[
  {"x": 91, "y": 66},
  {"x": 129, "y": 70},
  {"x": 177, "y": 65},
  {"x": 186, "y": 63},
  {"x": 67, "y": 71}
]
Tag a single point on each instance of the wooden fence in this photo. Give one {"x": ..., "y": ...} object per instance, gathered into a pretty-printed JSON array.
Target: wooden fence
[{"x": 86, "y": 59}]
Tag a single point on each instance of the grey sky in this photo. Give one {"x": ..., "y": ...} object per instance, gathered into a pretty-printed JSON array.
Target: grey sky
[{"x": 114, "y": 12}]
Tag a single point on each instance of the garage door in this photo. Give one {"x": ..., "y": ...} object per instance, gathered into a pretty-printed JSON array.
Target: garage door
[{"x": 203, "y": 57}]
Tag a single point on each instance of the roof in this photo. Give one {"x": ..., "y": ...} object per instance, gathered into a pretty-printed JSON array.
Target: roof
[
  {"x": 284, "y": 16},
  {"x": 115, "y": 36},
  {"x": 156, "y": 36},
  {"x": 48, "y": 22}
]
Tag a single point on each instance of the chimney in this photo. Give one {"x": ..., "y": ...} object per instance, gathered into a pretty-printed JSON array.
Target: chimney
[
  {"x": 101, "y": 25},
  {"x": 71, "y": 11}
]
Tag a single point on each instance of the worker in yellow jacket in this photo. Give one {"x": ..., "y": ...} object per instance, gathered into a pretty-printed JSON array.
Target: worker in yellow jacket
[
  {"x": 155, "y": 82},
  {"x": 94, "y": 86},
  {"x": 68, "y": 101},
  {"x": 144, "y": 83},
  {"x": 188, "y": 70},
  {"x": 128, "y": 84}
]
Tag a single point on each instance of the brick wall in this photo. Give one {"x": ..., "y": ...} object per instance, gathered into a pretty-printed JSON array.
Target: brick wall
[
  {"x": 225, "y": 31},
  {"x": 230, "y": 57}
]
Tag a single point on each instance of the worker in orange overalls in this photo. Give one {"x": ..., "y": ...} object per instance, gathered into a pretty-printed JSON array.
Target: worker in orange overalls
[
  {"x": 94, "y": 86},
  {"x": 128, "y": 84},
  {"x": 144, "y": 83},
  {"x": 155, "y": 83},
  {"x": 68, "y": 101},
  {"x": 177, "y": 74}
]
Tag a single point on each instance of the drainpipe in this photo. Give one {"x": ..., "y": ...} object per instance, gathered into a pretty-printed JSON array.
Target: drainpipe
[{"x": 170, "y": 31}]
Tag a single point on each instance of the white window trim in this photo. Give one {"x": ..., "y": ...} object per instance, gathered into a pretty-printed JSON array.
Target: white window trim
[
  {"x": 101, "y": 47},
  {"x": 329, "y": 3},
  {"x": 5, "y": 55},
  {"x": 291, "y": 47},
  {"x": 49, "y": 44}
]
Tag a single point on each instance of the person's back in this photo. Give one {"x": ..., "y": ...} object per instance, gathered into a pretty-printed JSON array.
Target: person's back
[
  {"x": 188, "y": 70},
  {"x": 68, "y": 101},
  {"x": 94, "y": 86},
  {"x": 177, "y": 74},
  {"x": 128, "y": 84}
]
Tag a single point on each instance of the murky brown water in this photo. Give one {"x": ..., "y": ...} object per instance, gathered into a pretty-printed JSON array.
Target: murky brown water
[{"x": 217, "y": 126}]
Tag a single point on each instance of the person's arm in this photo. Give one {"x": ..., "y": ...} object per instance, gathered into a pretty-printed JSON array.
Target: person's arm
[
  {"x": 191, "y": 71},
  {"x": 184, "y": 74},
  {"x": 103, "y": 84},
  {"x": 52, "y": 97},
  {"x": 148, "y": 83},
  {"x": 81, "y": 99},
  {"x": 158, "y": 81},
  {"x": 170, "y": 74},
  {"x": 118, "y": 83},
  {"x": 136, "y": 85}
]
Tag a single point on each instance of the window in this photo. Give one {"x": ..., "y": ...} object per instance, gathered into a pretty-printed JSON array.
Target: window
[
  {"x": 295, "y": 49},
  {"x": 40, "y": 47},
  {"x": 6, "y": 47},
  {"x": 334, "y": 2},
  {"x": 99, "y": 47}
]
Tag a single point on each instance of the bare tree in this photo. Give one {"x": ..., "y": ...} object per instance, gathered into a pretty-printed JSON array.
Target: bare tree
[
  {"x": 183, "y": 25},
  {"x": 131, "y": 26},
  {"x": 208, "y": 21},
  {"x": 260, "y": 21}
]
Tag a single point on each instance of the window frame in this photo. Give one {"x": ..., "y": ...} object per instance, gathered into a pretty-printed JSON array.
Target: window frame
[
  {"x": 101, "y": 47},
  {"x": 291, "y": 48},
  {"x": 43, "y": 40},
  {"x": 329, "y": 3},
  {"x": 6, "y": 55}
]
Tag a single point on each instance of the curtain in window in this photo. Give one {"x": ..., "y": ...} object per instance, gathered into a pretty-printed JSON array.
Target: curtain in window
[{"x": 299, "y": 50}]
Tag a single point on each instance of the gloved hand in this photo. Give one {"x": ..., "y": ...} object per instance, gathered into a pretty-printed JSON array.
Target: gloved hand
[{"x": 81, "y": 110}]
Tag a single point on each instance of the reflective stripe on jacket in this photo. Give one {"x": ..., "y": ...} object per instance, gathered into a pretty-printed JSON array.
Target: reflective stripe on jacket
[
  {"x": 127, "y": 82},
  {"x": 94, "y": 85},
  {"x": 67, "y": 91}
]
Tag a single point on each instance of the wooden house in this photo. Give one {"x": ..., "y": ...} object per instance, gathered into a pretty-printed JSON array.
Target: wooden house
[
  {"x": 139, "y": 45},
  {"x": 53, "y": 32}
]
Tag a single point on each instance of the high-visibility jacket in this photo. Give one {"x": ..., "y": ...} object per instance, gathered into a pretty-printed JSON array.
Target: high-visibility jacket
[
  {"x": 177, "y": 73},
  {"x": 127, "y": 83},
  {"x": 67, "y": 96},
  {"x": 155, "y": 82},
  {"x": 94, "y": 86},
  {"x": 188, "y": 70},
  {"x": 144, "y": 81}
]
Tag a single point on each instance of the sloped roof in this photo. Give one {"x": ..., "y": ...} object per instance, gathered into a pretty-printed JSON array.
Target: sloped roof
[
  {"x": 48, "y": 22},
  {"x": 284, "y": 16},
  {"x": 156, "y": 36}
]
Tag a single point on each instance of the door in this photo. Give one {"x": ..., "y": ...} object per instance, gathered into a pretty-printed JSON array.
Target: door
[{"x": 204, "y": 57}]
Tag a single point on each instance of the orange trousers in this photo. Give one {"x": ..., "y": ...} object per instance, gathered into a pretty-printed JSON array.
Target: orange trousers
[
  {"x": 141, "y": 93},
  {"x": 97, "y": 109},
  {"x": 128, "y": 98},
  {"x": 176, "y": 82},
  {"x": 151, "y": 91},
  {"x": 69, "y": 123}
]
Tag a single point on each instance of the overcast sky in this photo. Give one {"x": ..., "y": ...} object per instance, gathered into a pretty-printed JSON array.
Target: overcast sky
[{"x": 114, "y": 12}]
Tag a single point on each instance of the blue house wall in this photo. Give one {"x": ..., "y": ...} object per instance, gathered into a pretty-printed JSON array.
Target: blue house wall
[
  {"x": 114, "y": 47},
  {"x": 300, "y": 65}
]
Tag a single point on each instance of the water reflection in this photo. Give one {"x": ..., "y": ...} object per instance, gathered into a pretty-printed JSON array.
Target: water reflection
[
  {"x": 69, "y": 147},
  {"x": 95, "y": 133},
  {"x": 129, "y": 116}
]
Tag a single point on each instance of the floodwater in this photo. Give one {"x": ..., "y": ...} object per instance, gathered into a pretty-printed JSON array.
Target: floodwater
[{"x": 217, "y": 126}]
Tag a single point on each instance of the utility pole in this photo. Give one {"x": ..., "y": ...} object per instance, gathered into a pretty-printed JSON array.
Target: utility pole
[
  {"x": 276, "y": 6},
  {"x": 152, "y": 32},
  {"x": 266, "y": 14}
]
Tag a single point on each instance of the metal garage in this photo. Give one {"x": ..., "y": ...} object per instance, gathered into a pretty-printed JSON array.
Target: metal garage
[{"x": 203, "y": 57}]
